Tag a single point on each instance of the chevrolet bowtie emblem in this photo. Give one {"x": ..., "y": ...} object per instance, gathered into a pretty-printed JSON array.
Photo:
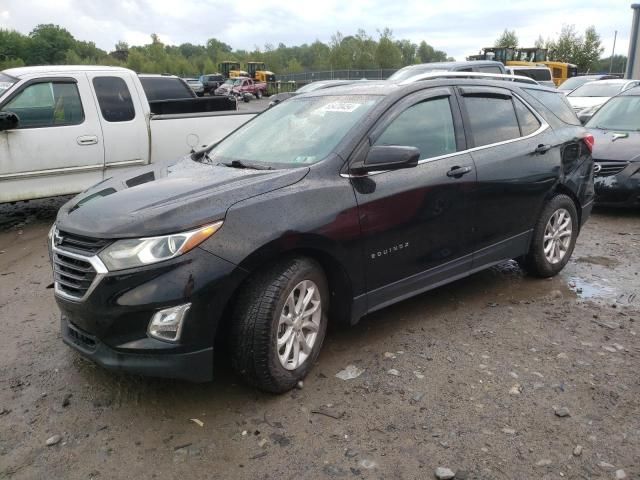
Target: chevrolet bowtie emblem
[{"x": 616, "y": 136}]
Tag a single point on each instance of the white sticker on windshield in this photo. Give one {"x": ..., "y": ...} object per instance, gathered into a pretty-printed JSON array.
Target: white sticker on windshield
[{"x": 340, "y": 107}]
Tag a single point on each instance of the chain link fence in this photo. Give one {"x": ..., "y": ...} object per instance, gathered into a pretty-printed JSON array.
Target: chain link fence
[{"x": 291, "y": 81}]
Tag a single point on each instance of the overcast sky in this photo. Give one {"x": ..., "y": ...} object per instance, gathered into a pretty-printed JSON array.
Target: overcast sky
[{"x": 459, "y": 27}]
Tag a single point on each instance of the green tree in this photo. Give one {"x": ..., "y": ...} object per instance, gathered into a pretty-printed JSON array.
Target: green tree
[
  {"x": 589, "y": 50},
  {"x": 567, "y": 45},
  {"x": 388, "y": 55},
  {"x": 49, "y": 44},
  {"x": 507, "y": 39}
]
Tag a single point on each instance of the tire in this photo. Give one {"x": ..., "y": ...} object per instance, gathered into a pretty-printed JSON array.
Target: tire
[
  {"x": 257, "y": 325},
  {"x": 558, "y": 211},
  {"x": 259, "y": 94}
]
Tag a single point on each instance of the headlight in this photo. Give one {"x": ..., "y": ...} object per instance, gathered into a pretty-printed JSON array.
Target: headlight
[{"x": 144, "y": 251}]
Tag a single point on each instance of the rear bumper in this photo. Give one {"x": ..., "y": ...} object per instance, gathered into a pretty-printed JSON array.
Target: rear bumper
[{"x": 196, "y": 366}]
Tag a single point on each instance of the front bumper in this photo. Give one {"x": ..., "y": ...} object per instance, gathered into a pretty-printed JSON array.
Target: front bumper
[
  {"x": 109, "y": 325},
  {"x": 621, "y": 189},
  {"x": 196, "y": 366}
]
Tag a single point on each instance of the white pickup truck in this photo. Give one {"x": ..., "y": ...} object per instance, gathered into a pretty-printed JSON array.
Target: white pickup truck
[{"x": 65, "y": 128}]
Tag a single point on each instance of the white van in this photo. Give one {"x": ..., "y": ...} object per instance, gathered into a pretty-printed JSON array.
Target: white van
[{"x": 539, "y": 73}]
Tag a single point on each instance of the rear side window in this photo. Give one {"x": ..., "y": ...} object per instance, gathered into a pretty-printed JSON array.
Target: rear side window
[
  {"x": 556, "y": 103},
  {"x": 527, "y": 120},
  {"x": 428, "y": 126},
  {"x": 492, "y": 119},
  {"x": 165, "y": 88},
  {"x": 47, "y": 104},
  {"x": 114, "y": 99}
]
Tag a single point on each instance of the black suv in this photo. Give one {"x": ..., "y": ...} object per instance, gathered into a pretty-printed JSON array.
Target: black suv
[{"x": 326, "y": 207}]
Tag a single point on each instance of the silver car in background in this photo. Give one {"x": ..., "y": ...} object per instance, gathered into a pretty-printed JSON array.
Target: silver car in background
[{"x": 196, "y": 85}]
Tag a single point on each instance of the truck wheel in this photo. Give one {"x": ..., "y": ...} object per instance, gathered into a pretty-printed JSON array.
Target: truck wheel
[
  {"x": 259, "y": 94},
  {"x": 279, "y": 323},
  {"x": 554, "y": 237}
]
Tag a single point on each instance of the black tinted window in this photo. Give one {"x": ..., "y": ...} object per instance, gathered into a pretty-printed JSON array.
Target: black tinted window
[
  {"x": 428, "y": 126},
  {"x": 556, "y": 103},
  {"x": 539, "y": 74},
  {"x": 492, "y": 119},
  {"x": 165, "y": 88},
  {"x": 528, "y": 121},
  {"x": 114, "y": 99}
]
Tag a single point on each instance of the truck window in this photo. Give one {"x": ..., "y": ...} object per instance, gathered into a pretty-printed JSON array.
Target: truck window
[
  {"x": 428, "y": 126},
  {"x": 499, "y": 126},
  {"x": 165, "y": 88},
  {"x": 489, "y": 69},
  {"x": 114, "y": 99},
  {"x": 47, "y": 104}
]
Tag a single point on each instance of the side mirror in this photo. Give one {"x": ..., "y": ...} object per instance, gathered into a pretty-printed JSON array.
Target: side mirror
[
  {"x": 388, "y": 157},
  {"x": 8, "y": 121}
]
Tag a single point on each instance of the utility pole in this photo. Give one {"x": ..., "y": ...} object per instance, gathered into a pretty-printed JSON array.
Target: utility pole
[
  {"x": 633, "y": 65},
  {"x": 613, "y": 51}
]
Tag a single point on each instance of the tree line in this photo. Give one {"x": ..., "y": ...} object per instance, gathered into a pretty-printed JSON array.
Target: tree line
[
  {"x": 51, "y": 44},
  {"x": 583, "y": 50}
]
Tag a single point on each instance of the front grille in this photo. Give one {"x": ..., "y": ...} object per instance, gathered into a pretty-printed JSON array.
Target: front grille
[
  {"x": 72, "y": 276},
  {"x": 81, "y": 338},
  {"x": 79, "y": 243},
  {"x": 608, "y": 169}
]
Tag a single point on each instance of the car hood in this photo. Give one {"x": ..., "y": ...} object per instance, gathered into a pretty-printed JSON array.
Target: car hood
[
  {"x": 158, "y": 200},
  {"x": 585, "y": 102},
  {"x": 615, "y": 145}
]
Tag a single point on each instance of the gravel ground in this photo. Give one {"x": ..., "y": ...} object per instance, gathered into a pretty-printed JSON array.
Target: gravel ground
[{"x": 498, "y": 376}]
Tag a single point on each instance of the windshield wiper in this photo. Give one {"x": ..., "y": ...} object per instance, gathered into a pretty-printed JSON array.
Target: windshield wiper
[{"x": 241, "y": 164}]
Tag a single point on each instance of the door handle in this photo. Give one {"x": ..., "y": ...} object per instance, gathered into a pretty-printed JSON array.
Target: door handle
[
  {"x": 541, "y": 149},
  {"x": 87, "y": 140},
  {"x": 457, "y": 172}
]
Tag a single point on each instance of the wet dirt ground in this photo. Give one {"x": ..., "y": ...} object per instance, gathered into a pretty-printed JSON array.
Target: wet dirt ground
[{"x": 471, "y": 376}]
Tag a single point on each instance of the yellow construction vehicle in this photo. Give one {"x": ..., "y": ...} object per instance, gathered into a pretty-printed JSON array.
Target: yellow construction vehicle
[
  {"x": 231, "y": 69},
  {"x": 259, "y": 73}
]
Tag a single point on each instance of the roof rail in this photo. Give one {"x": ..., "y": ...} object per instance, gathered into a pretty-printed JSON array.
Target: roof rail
[{"x": 486, "y": 76}]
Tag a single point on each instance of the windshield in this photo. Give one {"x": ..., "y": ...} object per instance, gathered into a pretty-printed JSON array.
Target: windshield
[
  {"x": 5, "y": 82},
  {"x": 597, "y": 89},
  {"x": 619, "y": 113},
  {"x": 301, "y": 131},
  {"x": 574, "y": 82}
]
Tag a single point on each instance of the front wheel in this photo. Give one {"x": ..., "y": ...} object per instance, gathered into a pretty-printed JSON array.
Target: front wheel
[
  {"x": 279, "y": 324},
  {"x": 554, "y": 238}
]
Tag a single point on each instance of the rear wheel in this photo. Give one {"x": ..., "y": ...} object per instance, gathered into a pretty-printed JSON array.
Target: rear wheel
[
  {"x": 279, "y": 324},
  {"x": 554, "y": 238}
]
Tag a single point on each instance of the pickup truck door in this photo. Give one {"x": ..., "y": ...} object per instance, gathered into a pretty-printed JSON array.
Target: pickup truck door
[
  {"x": 123, "y": 118},
  {"x": 58, "y": 134}
]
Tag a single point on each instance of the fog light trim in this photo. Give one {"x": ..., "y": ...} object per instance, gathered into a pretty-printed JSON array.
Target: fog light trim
[{"x": 166, "y": 324}]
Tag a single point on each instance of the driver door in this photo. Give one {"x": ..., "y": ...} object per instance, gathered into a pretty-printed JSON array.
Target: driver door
[{"x": 416, "y": 222}]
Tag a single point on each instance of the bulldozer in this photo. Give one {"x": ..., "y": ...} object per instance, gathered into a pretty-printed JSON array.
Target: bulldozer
[
  {"x": 259, "y": 73},
  {"x": 231, "y": 69}
]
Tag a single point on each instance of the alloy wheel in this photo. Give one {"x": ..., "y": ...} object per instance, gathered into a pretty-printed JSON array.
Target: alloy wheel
[{"x": 557, "y": 236}]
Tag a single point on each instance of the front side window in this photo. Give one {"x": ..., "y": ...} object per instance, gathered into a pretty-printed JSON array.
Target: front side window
[
  {"x": 492, "y": 119},
  {"x": 428, "y": 126},
  {"x": 47, "y": 104},
  {"x": 114, "y": 99}
]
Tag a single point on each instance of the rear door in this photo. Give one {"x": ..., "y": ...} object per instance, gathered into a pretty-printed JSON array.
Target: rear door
[
  {"x": 517, "y": 160},
  {"x": 416, "y": 223},
  {"x": 59, "y": 134},
  {"x": 123, "y": 119}
]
